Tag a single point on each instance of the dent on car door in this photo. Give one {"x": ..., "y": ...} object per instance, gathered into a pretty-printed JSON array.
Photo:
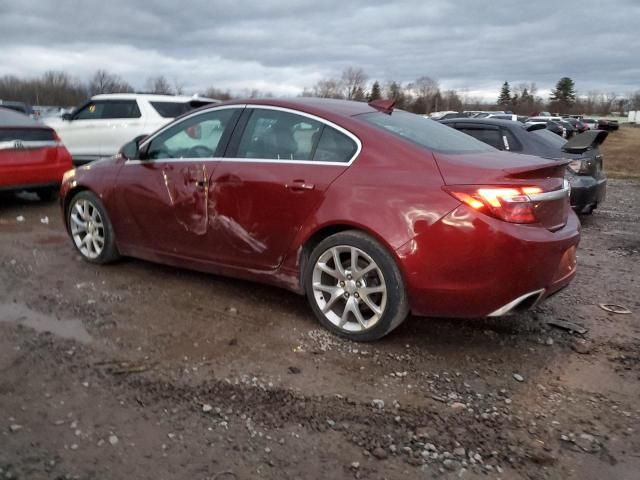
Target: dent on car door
[
  {"x": 164, "y": 193},
  {"x": 275, "y": 174}
]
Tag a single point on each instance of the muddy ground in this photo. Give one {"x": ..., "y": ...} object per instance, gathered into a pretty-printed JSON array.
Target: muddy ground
[{"x": 140, "y": 371}]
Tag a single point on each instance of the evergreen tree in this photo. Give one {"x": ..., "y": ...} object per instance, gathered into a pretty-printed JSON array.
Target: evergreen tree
[
  {"x": 505, "y": 95},
  {"x": 375, "y": 93},
  {"x": 564, "y": 94}
]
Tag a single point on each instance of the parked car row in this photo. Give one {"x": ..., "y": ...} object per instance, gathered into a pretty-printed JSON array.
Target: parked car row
[{"x": 584, "y": 170}]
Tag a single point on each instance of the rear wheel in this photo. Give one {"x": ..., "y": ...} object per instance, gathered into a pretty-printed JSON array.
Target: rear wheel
[
  {"x": 355, "y": 287},
  {"x": 91, "y": 229}
]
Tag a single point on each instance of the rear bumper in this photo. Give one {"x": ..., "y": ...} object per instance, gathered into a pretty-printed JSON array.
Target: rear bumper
[
  {"x": 587, "y": 192},
  {"x": 471, "y": 265}
]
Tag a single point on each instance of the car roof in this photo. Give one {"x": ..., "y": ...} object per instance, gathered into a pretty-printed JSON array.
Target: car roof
[
  {"x": 152, "y": 97},
  {"x": 312, "y": 105},
  {"x": 11, "y": 118}
]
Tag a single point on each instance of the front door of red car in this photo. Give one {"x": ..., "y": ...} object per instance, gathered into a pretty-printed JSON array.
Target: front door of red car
[
  {"x": 277, "y": 168},
  {"x": 163, "y": 195}
]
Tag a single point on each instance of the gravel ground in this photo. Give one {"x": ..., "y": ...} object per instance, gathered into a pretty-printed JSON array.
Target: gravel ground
[{"x": 142, "y": 371}]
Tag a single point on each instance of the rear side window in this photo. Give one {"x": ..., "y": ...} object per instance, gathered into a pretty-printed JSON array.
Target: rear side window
[
  {"x": 278, "y": 135},
  {"x": 424, "y": 132},
  {"x": 334, "y": 146},
  {"x": 488, "y": 136},
  {"x": 170, "y": 109},
  {"x": 121, "y": 109}
]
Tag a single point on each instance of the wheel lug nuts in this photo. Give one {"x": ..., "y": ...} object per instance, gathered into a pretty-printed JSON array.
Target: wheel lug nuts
[
  {"x": 356, "y": 295},
  {"x": 342, "y": 284},
  {"x": 358, "y": 284},
  {"x": 349, "y": 277},
  {"x": 346, "y": 295}
]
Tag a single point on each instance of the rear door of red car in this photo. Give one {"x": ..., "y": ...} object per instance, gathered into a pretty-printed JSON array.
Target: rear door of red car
[
  {"x": 163, "y": 195},
  {"x": 276, "y": 170}
]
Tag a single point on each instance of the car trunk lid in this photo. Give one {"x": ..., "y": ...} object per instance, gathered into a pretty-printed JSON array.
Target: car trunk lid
[{"x": 549, "y": 197}]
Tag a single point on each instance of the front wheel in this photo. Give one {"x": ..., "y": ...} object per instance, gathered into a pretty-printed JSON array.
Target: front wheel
[
  {"x": 354, "y": 287},
  {"x": 91, "y": 229}
]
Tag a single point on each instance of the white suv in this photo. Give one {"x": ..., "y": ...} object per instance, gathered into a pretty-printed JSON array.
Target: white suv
[{"x": 104, "y": 124}]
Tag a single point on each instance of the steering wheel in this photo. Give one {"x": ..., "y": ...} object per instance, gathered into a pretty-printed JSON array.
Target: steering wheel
[{"x": 200, "y": 151}]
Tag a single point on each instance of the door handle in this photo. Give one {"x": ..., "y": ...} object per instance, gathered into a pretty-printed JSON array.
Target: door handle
[{"x": 300, "y": 186}]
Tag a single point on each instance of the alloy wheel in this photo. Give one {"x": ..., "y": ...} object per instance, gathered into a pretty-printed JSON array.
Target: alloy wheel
[
  {"x": 349, "y": 288},
  {"x": 87, "y": 228}
]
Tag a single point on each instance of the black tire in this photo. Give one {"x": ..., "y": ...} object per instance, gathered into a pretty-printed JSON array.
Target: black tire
[
  {"x": 109, "y": 252},
  {"x": 48, "y": 194},
  {"x": 396, "y": 308}
]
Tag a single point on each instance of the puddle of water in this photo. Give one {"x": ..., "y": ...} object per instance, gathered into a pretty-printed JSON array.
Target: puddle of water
[{"x": 40, "y": 322}]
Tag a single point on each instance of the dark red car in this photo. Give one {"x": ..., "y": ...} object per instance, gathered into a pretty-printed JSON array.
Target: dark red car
[
  {"x": 370, "y": 212},
  {"x": 32, "y": 158}
]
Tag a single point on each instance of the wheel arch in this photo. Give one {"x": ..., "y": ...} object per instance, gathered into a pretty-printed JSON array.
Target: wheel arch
[{"x": 314, "y": 237}]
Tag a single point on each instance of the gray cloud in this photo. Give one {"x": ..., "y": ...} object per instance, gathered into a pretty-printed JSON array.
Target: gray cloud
[{"x": 284, "y": 46}]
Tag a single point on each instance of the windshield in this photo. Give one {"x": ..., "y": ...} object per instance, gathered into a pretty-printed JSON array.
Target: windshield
[
  {"x": 425, "y": 132},
  {"x": 550, "y": 137}
]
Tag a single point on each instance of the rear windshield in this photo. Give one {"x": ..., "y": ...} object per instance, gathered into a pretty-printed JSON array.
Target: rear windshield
[
  {"x": 171, "y": 109},
  {"x": 425, "y": 132},
  {"x": 550, "y": 137}
]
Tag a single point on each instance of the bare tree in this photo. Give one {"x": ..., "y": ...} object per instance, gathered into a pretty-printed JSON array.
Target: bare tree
[
  {"x": 427, "y": 92},
  {"x": 105, "y": 82},
  {"x": 178, "y": 86},
  {"x": 354, "y": 80},
  {"x": 159, "y": 85},
  {"x": 327, "y": 88}
]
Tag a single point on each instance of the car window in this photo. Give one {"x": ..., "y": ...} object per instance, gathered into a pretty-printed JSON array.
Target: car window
[
  {"x": 121, "y": 109},
  {"x": 550, "y": 137},
  {"x": 90, "y": 111},
  {"x": 334, "y": 146},
  {"x": 489, "y": 136},
  {"x": 510, "y": 141},
  {"x": 171, "y": 109},
  {"x": 194, "y": 137},
  {"x": 277, "y": 135},
  {"x": 424, "y": 132}
]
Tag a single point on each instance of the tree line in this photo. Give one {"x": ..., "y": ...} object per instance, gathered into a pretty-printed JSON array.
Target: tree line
[
  {"x": 423, "y": 95},
  {"x": 61, "y": 89}
]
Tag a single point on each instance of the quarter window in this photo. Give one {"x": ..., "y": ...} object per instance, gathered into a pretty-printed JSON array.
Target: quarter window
[
  {"x": 194, "y": 137},
  {"x": 334, "y": 146}
]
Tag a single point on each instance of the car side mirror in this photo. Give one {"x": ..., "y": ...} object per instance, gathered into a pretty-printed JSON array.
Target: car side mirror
[
  {"x": 131, "y": 150},
  {"x": 66, "y": 116}
]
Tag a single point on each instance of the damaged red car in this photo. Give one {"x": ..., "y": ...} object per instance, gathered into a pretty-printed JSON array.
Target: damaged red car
[{"x": 370, "y": 212}]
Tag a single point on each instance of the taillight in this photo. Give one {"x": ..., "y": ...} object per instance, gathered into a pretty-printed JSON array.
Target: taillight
[{"x": 511, "y": 204}]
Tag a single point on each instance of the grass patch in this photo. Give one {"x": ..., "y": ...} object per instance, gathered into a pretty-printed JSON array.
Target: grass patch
[{"x": 621, "y": 153}]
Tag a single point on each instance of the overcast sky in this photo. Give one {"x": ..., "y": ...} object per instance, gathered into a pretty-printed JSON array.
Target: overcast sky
[{"x": 284, "y": 46}]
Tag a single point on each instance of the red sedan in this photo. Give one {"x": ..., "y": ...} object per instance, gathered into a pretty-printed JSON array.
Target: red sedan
[
  {"x": 32, "y": 157},
  {"x": 370, "y": 212}
]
